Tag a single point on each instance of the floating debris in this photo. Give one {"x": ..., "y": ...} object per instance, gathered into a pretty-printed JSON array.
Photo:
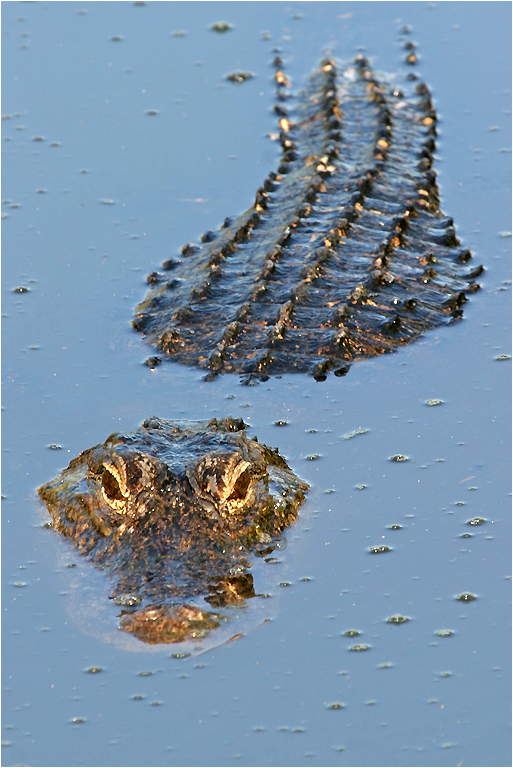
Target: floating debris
[
  {"x": 359, "y": 431},
  {"x": 128, "y": 600},
  {"x": 239, "y": 76},
  {"x": 152, "y": 362},
  {"x": 434, "y": 402},
  {"x": 221, "y": 26}
]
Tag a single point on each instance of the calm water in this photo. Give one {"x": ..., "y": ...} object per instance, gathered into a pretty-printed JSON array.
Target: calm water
[{"x": 73, "y": 373}]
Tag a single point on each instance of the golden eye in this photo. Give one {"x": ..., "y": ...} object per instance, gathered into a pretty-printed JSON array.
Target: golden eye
[
  {"x": 114, "y": 490},
  {"x": 241, "y": 486}
]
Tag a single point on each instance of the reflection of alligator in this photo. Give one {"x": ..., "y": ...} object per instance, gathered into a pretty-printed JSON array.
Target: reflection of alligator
[
  {"x": 171, "y": 512},
  {"x": 344, "y": 254}
]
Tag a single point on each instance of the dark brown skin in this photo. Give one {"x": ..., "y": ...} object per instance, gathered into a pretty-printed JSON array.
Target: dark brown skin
[
  {"x": 170, "y": 513},
  {"x": 345, "y": 253}
]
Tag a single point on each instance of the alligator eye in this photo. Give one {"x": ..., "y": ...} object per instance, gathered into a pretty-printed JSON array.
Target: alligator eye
[
  {"x": 240, "y": 488},
  {"x": 114, "y": 490},
  {"x": 111, "y": 487}
]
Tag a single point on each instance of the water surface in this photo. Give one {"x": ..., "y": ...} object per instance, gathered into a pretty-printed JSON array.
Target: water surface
[{"x": 96, "y": 194}]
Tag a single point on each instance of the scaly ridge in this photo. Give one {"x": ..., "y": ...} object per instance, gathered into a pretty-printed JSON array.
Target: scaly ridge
[{"x": 345, "y": 252}]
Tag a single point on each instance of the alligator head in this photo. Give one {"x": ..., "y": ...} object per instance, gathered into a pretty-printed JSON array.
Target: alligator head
[{"x": 171, "y": 513}]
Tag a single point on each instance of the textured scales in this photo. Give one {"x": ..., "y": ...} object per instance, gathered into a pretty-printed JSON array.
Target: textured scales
[
  {"x": 171, "y": 513},
  {"x": 345, "y": 253}
]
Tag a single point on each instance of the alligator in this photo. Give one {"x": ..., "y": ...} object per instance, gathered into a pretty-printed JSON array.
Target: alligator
[
  {"x": 171, "y": 513},
  {"x": 344, "y": 254}
]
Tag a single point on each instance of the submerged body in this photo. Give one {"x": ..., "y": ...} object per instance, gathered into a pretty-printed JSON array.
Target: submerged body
[
  {"x": 171, "y": 513},
  {"x": 345, "y": 253}
]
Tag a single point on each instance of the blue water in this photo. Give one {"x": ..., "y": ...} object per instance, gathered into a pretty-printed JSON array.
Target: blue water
[{"x": 73, "y": 373}]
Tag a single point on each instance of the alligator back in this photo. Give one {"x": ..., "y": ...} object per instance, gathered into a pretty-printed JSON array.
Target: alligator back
[{"x": 345, "y": 253}]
